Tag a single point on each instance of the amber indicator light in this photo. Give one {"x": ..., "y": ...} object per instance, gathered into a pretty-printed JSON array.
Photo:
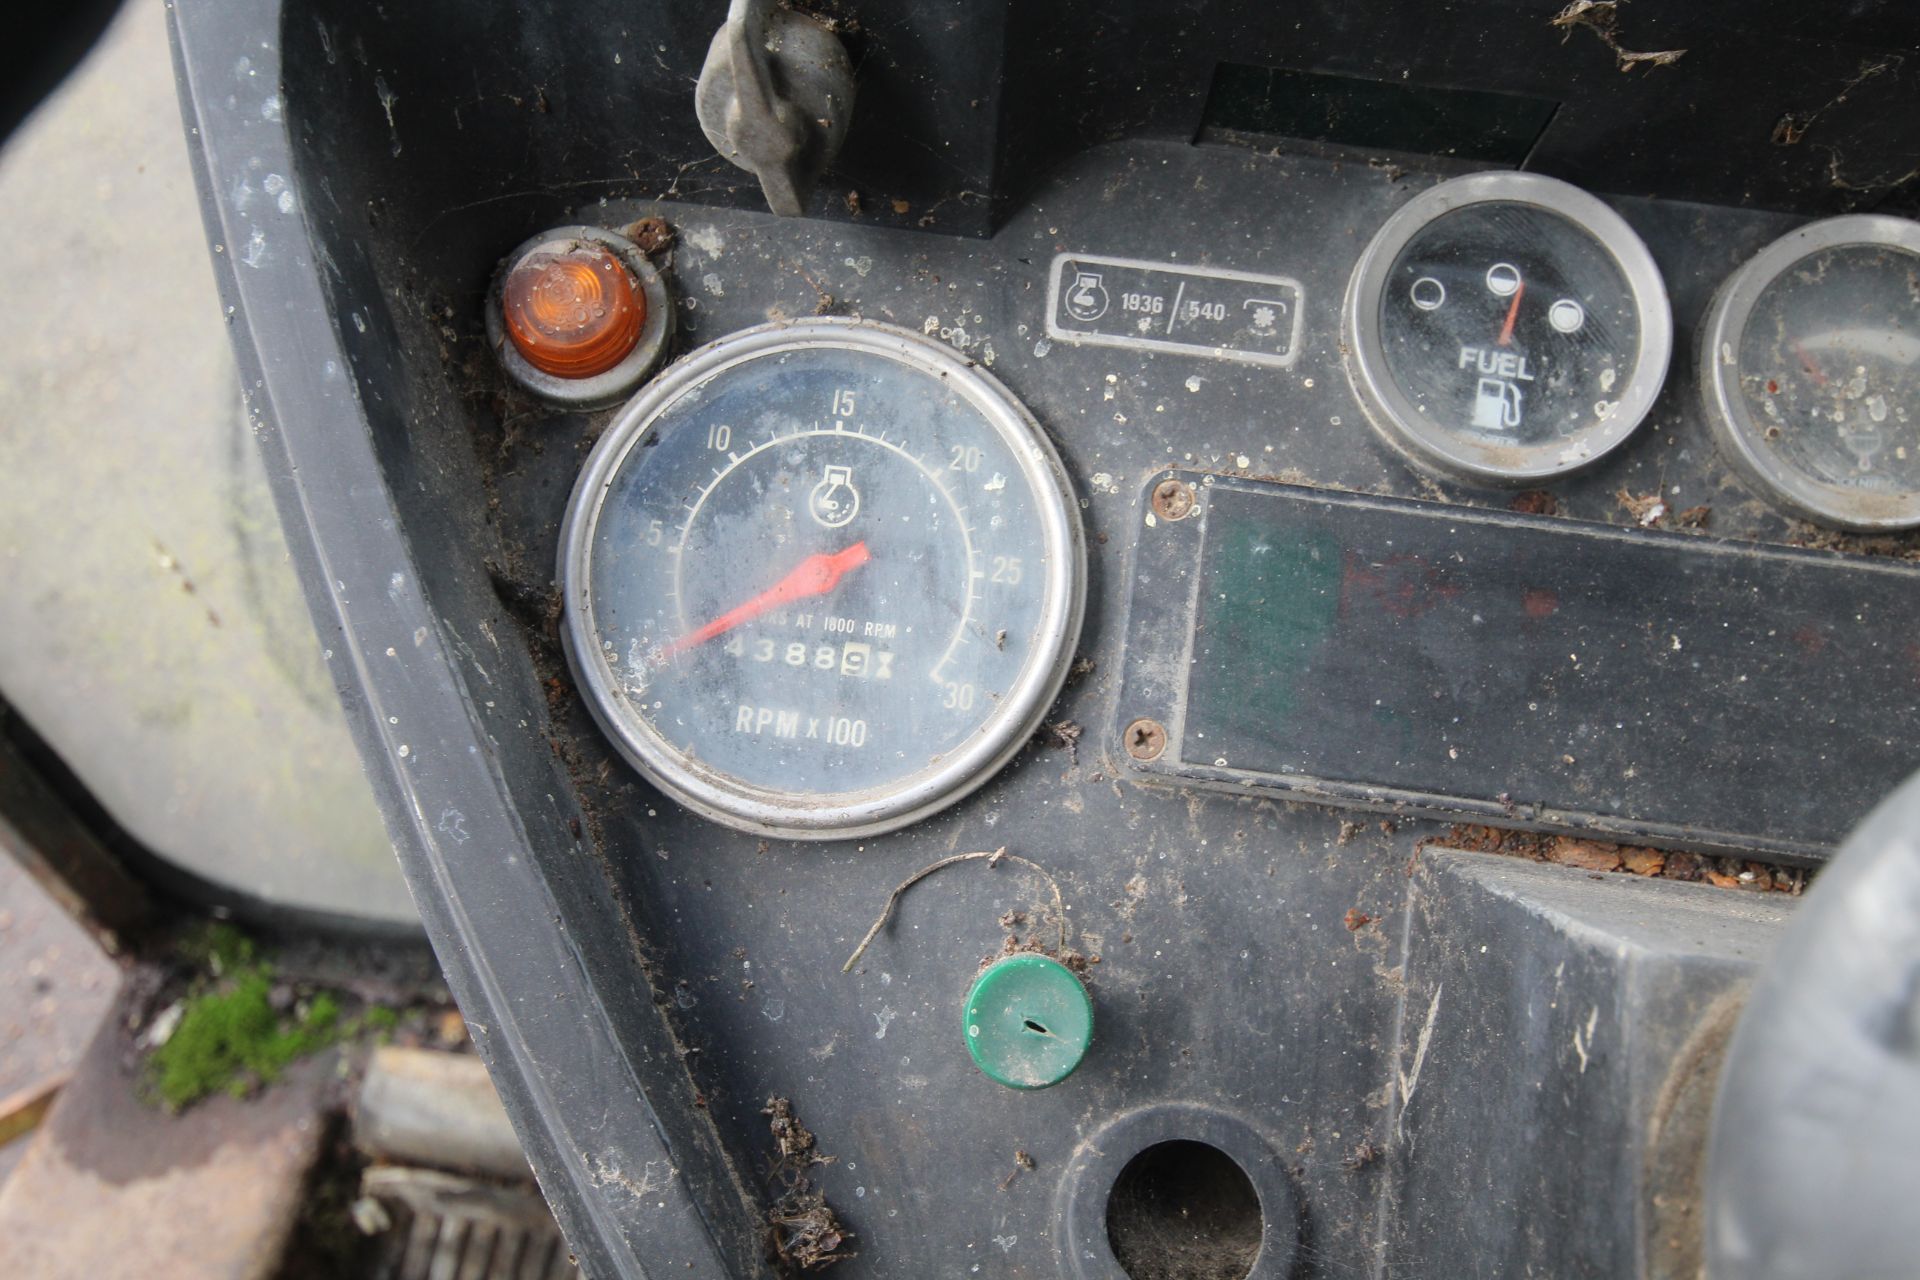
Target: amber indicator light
[{"x": 573, "y": 313}]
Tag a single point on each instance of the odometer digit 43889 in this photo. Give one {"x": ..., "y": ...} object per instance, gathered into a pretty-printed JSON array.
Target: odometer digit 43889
[{"x": 821, "y": 579}]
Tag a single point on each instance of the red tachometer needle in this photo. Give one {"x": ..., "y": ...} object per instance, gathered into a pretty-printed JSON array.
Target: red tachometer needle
[
  {"x": 1513, "y": 313},
  {"x": 814, "y": 576}
]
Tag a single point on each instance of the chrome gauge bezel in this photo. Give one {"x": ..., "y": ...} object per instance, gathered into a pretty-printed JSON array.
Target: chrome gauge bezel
[
  {"x": 1412, "y": 433},
  {"x": 1000, "y": 735},
  {"x": 1734, "y": 429}
]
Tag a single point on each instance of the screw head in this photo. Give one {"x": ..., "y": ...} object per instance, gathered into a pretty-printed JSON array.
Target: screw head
[
  {"x": 1145, "y": 739},
  {"x": 1173, "y": 500}
]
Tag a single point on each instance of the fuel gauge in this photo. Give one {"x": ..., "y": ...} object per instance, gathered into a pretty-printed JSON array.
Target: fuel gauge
[
  {"x": 1505, "y": 328},
  {"x": 1810, "y": 365}
]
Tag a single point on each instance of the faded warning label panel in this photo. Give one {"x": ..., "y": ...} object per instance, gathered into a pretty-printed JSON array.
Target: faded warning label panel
[
  {"x": 1628, "y": 685},
  {"x": 1200, "y": 311}
]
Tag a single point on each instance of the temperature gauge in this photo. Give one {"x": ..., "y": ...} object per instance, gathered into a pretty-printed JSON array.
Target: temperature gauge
[
  {"x": 1810, "y": 364},
  {"x": 1505, "y": 328}
]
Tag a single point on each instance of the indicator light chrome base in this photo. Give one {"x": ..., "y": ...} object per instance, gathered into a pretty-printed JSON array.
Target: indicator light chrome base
[{"x": 604, "y": 390}]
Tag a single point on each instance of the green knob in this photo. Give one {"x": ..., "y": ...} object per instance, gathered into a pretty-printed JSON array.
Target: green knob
[{"x": 1028, "y": 1022}]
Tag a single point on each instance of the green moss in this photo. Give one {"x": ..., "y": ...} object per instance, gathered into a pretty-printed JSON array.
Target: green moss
[
  {"x": 219, "y": 949},
  {"x": 379, "y": 1020},
  {"x": 231, "y": 1039}
]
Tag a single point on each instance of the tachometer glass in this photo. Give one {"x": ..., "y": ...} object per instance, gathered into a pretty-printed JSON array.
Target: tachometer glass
[
  {"x": 822, "y": 579},
  {"x": 1812, "y": 372}
]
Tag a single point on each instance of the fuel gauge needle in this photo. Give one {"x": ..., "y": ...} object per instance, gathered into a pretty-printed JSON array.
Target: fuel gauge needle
[
  {"x": 814, "y": 576},
  {"x": 1513, "y": 313}
]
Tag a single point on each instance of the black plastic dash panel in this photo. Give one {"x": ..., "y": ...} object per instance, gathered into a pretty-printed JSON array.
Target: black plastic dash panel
[{"x": 1566, "y": 675}]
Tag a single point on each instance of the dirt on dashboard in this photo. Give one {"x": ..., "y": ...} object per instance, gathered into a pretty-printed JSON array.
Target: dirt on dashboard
[
  {"x": 804, "y": 1232},
  {"x": 1606, "y": 857}
]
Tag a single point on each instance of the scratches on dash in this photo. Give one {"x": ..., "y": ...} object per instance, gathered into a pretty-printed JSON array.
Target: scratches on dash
[
  {"x": 1410, "y": 1080},
  {"x": 387, "y": 98},
  {"x": 1583, "y": 1038}
]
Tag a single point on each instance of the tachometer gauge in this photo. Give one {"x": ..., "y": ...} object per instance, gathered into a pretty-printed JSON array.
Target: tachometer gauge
[
  {"x": 1810, "y": 365},
  {"x": 821, "y": 579},
  {"x": 1505, "y": 328}
]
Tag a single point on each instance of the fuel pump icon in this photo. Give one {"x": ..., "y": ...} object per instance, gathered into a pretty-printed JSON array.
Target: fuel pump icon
[
  {"x": 1496, "y": 405},
  {"x": 834, "y": 502}
]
